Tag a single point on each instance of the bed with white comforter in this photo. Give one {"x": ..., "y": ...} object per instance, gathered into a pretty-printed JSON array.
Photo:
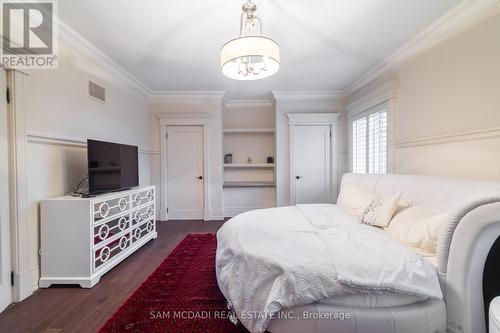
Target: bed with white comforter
[{"x": 308, "y": 255}]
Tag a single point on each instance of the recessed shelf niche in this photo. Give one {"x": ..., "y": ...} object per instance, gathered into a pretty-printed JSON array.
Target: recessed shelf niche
[{"x": 248, "y": 128}]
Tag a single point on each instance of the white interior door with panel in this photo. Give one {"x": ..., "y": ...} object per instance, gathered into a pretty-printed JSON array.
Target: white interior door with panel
[
  {"x": 313, "y": 157},
  {"x": 5, "y": 267},
  {"x": 311, "y": 164},
  {"x": 185, "y": 185}
]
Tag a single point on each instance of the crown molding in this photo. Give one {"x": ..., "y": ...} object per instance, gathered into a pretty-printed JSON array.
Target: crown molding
[
  {"x": 312, "y": 118},
  {"x": 379, "y": 95},
  {"x": 459, "y": 18},
  {"x": 188, "y": 97},
  {"x": 183, "y": 115},
  {"x": 248, "y": 102},
  {"x": 184, "y": 118},
  {"x": 76, "y": 40},
  {"x": 307, "y": 94},
  {"x": 188, "y": 93}
]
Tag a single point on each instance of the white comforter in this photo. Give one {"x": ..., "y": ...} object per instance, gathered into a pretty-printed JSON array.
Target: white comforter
[{"x": 272, "y": 259}]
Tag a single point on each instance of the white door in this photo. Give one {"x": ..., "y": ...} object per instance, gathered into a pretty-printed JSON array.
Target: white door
[
  {"x": 311, "y": 164},
  {"x": 185, "y": 172},
  {"x": 5, "y": 286}
]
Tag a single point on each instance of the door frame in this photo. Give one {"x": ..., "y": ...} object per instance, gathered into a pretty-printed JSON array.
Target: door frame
[
  {"x": 166, "y": 119},
  {"x": 315, "y": 119},
  {"x": 5, "y": 199},
  {"x": 19, "y": 242}
]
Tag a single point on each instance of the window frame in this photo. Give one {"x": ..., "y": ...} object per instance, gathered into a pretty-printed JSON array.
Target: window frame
[{"x": 385, "y": 106}]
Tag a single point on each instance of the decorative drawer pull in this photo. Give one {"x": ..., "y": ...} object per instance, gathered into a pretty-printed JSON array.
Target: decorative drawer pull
[
  {"x": 150, "y": 210},
  {"x": 137, "y": 233},
  {"x": 150, "y": 196},
  {"x": 103, "y": 209},
  {"x": 150, "y": 226},
  {"x": 138, "y": 216},
  {"x": 123, "y": 242},
  {"x": 137, "y": 199},
  {"x": 122, "y": 204},
  {"x": 105, "y": 253},
  {"x": 103, "y": 231},
  {"x": 122, "y": 223}
]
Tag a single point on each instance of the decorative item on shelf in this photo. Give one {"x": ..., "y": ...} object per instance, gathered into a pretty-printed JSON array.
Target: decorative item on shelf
[
  {"x": 228, "y": 159},
  {"x": 270, "y": 160},
  {"x": 251, "y": 56},
  {"x": 249, "y": 160}
]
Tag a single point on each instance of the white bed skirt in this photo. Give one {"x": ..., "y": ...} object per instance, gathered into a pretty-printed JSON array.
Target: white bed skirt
[{"x": 424, "y": 317}]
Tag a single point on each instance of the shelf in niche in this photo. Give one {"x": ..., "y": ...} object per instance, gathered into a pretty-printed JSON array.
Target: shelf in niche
[
  {"x": 250, "y": 166},
  {"x": 248, "y": 184},
  {"x": 249, "y": 131}
]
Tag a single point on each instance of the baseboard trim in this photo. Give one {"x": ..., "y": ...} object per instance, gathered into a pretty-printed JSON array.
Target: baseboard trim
[
  {"x": 215, "y": 215},
  {"x": 36, "y": 277},
  {"x": 231, "y": 212}
]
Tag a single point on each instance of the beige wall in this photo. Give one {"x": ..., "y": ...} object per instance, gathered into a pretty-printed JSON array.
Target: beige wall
[
  {"x": 60, "y": 116},
  {"x": 448, "y": 106}
]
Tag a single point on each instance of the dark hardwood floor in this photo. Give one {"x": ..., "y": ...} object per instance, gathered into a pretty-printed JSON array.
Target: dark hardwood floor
[{"x": 73, "y": 309}]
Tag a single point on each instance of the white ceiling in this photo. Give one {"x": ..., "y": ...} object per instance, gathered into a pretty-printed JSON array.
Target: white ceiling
[{"x": 325, "y": 44}]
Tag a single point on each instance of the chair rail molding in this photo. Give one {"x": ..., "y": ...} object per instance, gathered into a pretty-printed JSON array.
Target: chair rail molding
[
  {"x": 490, "y": 133},
  {"x": 186, "y": 119},
  {"x": 53, "y": 139}
]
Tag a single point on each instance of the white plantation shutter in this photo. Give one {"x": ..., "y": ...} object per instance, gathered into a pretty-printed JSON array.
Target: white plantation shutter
[
  {"x": 377, "y": 142},
  {"x": 369, "y": 143},
  {"x": 359, "y": 146}
]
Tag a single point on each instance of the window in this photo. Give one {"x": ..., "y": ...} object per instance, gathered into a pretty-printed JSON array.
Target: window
[{"x": 369, "y": 143}]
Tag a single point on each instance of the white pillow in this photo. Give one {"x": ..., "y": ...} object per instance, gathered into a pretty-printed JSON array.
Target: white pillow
[
  {"x": 354, "y": 200},
  {"x": 418, "y": 228},
  {"x": 380, "y": 211}
]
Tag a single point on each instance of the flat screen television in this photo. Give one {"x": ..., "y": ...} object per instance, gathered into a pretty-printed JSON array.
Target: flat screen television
[{"x": 111, "y": 166}]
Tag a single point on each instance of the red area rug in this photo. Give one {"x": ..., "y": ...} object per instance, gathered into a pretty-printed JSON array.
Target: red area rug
[{"x": 181, "y": 296}]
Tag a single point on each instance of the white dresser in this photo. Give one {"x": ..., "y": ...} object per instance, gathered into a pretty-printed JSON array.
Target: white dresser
[{"x": 83, "y": 238}]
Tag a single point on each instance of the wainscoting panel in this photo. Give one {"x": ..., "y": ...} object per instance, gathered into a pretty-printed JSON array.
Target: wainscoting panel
[
  {"x": 51, "y": 170},
  {"x": 474, "y": 155}
]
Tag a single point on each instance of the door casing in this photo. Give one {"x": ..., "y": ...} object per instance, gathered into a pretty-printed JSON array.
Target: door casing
[
  {"x": 5, "y": 251},
  {"x": 312, "y": 119},
  {"x": 185, "y": 119}
]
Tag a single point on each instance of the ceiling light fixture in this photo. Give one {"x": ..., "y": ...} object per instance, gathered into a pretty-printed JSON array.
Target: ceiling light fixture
[{"x": 250, "y": 56}]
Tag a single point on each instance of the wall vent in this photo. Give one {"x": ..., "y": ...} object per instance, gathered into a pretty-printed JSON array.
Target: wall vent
[{"x": 97, "y": 91}]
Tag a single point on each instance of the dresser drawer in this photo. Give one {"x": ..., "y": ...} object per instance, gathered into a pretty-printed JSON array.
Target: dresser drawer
[{"x": 106, "y": 230}]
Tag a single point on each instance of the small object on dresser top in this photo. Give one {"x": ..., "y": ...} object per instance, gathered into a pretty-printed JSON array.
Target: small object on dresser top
[{"x": 249, "y": 160}]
